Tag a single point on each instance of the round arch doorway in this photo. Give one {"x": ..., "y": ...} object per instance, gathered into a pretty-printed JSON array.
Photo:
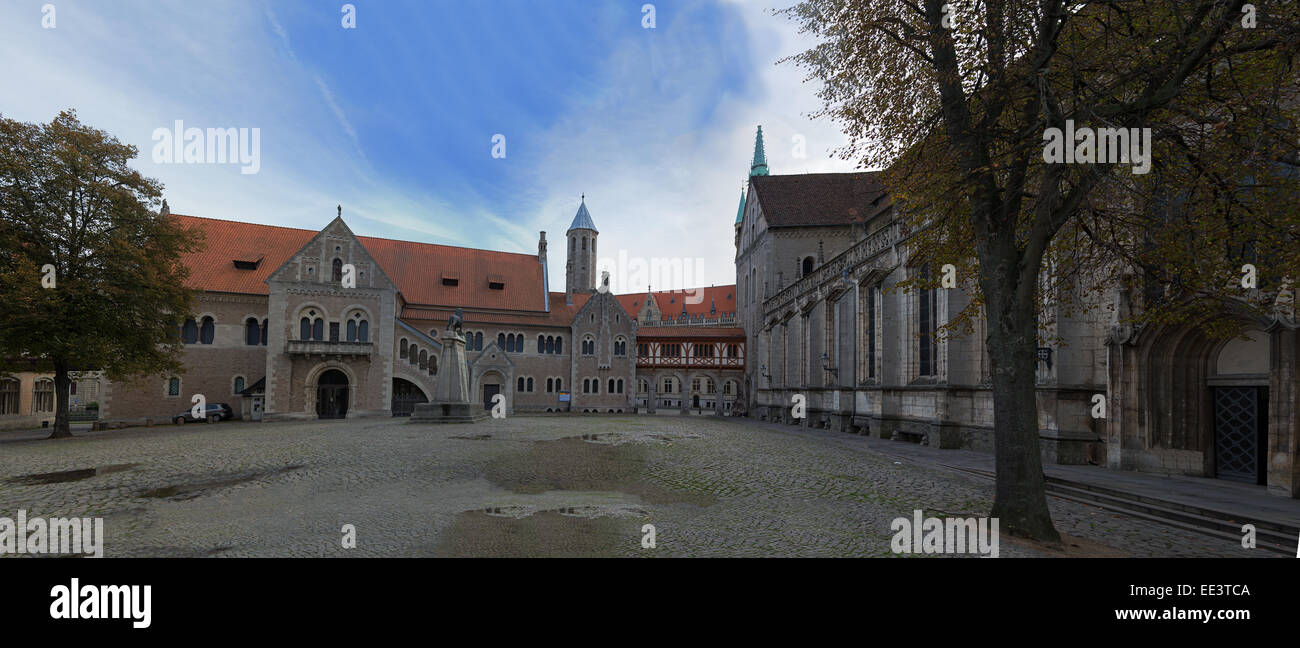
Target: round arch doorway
[{"x": 332, "y": 395}]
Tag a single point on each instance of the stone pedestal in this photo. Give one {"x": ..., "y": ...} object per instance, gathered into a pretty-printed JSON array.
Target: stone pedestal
[{"x": 451, "y": 402}]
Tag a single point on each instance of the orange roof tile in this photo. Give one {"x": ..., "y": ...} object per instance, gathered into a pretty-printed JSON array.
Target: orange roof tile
[
  {"x": 416, "y": 268},
  {"x": 213, "y": 267},
  {"x": 690, "y": 332},
  {"x": 721, "y": 298}
]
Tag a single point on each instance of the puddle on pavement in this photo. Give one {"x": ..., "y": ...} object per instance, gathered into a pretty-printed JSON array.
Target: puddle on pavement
[
  {"x": 584, "y": 511},
  {"x": 546, "y": 533},
  {"x": 573, "y": 464},
  {"x": 69, "y": 475},
  {"x": 195, "y": 489}
]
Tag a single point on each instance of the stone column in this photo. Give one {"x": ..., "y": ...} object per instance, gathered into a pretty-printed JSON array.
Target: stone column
[{"x": 1283, "y": 464}]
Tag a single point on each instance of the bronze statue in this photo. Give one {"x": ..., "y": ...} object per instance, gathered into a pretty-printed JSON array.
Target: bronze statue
[{"x": 456, "y": 320}]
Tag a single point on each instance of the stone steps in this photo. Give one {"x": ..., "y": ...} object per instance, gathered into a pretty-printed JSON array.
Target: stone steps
[{"x": 1273, "y": 535}]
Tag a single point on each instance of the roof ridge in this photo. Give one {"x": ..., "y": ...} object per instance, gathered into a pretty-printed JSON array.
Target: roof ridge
[{"x": 359, "y": 236}]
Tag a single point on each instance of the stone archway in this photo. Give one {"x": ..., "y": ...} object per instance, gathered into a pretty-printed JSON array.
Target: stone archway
[
  {"x": 491, "y": 383},
  {"x": 332, "y": 394},
  {"x": 406, "y": 395},
  {"x": 1239, "y": 392}
]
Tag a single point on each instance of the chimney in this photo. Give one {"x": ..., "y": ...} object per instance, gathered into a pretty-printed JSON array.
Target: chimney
[{"x": 541, "y": 248}]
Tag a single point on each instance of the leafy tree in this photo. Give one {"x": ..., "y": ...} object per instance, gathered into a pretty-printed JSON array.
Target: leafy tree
[
  {"x": 116, "y": 296},
  {"x": 954, "y": 101}
]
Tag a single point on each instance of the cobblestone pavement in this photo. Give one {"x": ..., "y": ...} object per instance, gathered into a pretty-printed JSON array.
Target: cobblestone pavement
[{"x": 532, "y": 486}]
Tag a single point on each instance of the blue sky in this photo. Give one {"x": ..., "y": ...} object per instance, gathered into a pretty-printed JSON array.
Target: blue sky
[{"x": 394, "y": 119}]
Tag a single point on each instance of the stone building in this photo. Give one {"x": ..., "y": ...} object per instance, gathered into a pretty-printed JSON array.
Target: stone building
[
  {"x": 27, "y": 396},
  {"x": 817, "y": 259},
  {"x": 297, "y": 324}
]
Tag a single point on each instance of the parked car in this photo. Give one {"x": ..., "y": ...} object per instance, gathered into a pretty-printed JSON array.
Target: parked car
[{"x": 215, "y": 412}]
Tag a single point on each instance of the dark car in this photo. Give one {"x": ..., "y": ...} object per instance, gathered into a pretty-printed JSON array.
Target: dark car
[{"x": 215, "y": 412}]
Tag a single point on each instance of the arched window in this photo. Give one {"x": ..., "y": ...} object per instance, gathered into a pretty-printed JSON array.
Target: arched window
[
  {"x": 318, "y": 329},
  {"x": 424, "y": 359},
  {"x": 478, "y": 341},
  {"x": 559, "y": 345},
  {"x": 620, "y": 385},
  {"x": 9, "y": 396},
  {"x": 521, "y": 384},
  {"x": 807, "y": 266},
  {"x": 304, "y": 329},
  {"x": 586, "y": 385},
  {"x": 252, "y": 332},
  {"x": 501, "y": 341},
  {"x": 550, "y": 344},
  {"x": 530, "y": 384},
  {"x": 239, "y": 384},
  {"x": 414, "y": 354},
  {"x": 402, "y": 348},
  {"x": 433, "y": 365},
  {"x": 338, "y": 270},
  {"x": 190, "y": 332},
  {"x": 43, "y": 396},
  {"x": 541, "y": 344},
  {"x": 550, "y": 385},
  {"x": 264, "y": 327},
  {"x": 595, "y": 385},
  {"x": 363, "y": 331},
  {"x": 611, "y": 387},
  {"x": 620, "y": 347},
  {"x": 174, "y": 387},
  {"x": 207, "y": 331},
  {"x": 511, "y": 345},
  {"x": 670, "y": 385},
  {"x": 558, "y": 387},
  {"x": 352, "y": 331}
]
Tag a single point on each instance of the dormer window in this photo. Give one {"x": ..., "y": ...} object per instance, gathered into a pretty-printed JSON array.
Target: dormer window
[
  {"x": 248, "y": 262},
  {"x": 496, "y": 282},
  {"x": 450, "y": 280}
]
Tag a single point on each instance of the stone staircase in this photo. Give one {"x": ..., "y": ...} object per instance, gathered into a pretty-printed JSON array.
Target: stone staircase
[{"x": 1270, "y": 534}]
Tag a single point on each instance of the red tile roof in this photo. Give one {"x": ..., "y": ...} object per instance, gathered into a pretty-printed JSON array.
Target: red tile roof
[
  {"x": 690, "y": 332},
  {"x": 213, "y": 267},
  {"x": 721, "y": 298},
  {"x": 416, "y": 268}
]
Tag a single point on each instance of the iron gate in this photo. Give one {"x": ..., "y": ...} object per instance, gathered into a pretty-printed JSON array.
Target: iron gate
[{"x": 1238, "y": 427}]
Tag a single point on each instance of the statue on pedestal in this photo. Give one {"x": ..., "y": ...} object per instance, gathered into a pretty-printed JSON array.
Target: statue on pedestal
[{"x": 451, "y": 402}]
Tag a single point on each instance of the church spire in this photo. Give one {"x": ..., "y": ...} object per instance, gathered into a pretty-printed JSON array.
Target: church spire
[
  {"x": 759, "y": 165},
  {"x": 740, "y": 212}
]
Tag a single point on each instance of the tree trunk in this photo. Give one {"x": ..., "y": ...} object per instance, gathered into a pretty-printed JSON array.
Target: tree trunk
[
  {"x": 62, "y": 429},
  {"x": 1020, "y": 499}
]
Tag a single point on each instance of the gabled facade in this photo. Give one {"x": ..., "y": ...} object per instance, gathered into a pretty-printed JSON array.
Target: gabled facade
[{"x": 300, "y": 324}]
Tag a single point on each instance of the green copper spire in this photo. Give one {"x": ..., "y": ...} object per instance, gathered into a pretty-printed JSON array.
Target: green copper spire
[
  {"x": 759, "y": 165},
  {"x": 740, "y": 213}
]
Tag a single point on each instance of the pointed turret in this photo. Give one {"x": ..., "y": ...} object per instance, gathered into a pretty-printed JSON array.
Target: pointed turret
[
  {"x": 740, "y": 211},
  {"x": 582, "y": 219},
  {"x": 759, "y": 166},
  {"x": 579, "y": 271}
]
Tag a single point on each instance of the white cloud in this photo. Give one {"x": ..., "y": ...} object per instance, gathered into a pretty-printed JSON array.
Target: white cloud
[{"x": 656, "y": 193}]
